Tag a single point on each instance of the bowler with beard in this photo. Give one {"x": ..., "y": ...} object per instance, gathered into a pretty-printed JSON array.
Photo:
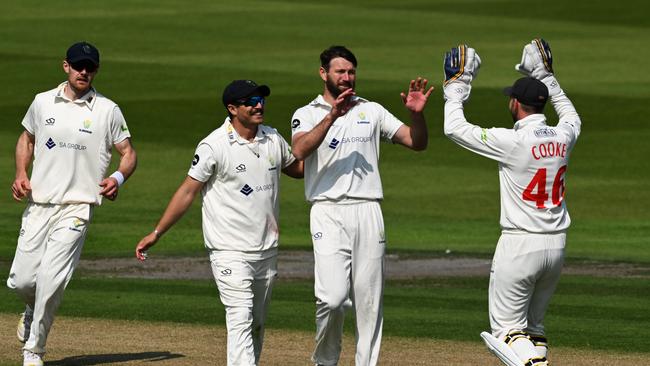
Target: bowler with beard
[{"x": 337, "y": 135}]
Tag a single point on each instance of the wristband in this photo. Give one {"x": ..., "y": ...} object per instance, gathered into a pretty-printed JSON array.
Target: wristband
[
  {"x": 118, "y": 177},
  {"x": 157, "y": 233}
]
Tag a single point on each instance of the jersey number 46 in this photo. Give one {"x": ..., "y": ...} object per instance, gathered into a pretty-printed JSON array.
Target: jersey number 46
[{"x": 538, "y": 184}]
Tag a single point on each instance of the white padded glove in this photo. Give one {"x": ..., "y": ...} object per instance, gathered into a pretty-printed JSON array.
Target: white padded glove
[
  {"x": 461, "y": 66},
  {"x": 537, "y": 62}
]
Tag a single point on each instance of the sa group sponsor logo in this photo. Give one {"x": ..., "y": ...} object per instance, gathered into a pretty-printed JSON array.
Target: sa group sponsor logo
[
  {"x": 362, "y": 139},
  {"x": 50, "y": 143},
  {"x": 246, "y": 190},
  {"x": 295, "y": 123},
  {"x": 334, "y": 144},
  {"x": 71, "y": 145}
]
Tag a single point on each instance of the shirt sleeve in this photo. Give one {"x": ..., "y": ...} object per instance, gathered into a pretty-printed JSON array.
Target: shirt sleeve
[
  {"x": 285, "y": 150},
  {"x": 119, "y": 129},
  {"x": 204, "y": 163},
  {"x": 302, "y": 121},
  {"x": 29, "y": 121},
  {"x": 493, "y": 143},
  {"x": 569, "y": 120},
  {"x": 389, "y": 124}
]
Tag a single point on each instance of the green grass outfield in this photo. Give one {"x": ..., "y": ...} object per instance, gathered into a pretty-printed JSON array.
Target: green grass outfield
[
  {"x": 443, "y": 308},
  {"x": 166, "y": 64}
]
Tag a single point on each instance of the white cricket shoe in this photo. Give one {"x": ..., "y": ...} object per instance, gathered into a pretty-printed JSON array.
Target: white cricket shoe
[
  {"x": 32, "y": 359},
  {"x": 24, "y": 325}
]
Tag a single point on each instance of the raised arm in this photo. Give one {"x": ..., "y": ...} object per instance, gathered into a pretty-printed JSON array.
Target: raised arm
[
  {"x": 537, "y": 62},
  {"x": 303, "y": 144},
  {"x": 178, "y": 205},
  {"x": 24, "y": 153},
  {"x": 415, "y": 136}
]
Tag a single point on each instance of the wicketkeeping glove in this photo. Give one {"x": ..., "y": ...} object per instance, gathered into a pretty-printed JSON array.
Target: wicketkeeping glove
[
  {"x": 461, "y": 67},
  {"x": 537, "y": 61}
]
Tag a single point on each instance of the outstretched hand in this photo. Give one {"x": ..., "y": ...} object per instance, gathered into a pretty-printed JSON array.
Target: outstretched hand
[
  {"x": 144, "y": 245},
  {"x": 418, "y": 95}
]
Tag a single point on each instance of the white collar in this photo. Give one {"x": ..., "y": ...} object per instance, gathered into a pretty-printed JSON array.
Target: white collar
[{"x": 88, "y": 99}]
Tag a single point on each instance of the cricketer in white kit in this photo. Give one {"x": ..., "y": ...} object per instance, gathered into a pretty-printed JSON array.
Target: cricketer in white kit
[
  {"x": 69, "y": 132},
  {"x": 533, "y": 159},
  {"x": 338, "y": 136},
  {"x": 237, "y": 170}
]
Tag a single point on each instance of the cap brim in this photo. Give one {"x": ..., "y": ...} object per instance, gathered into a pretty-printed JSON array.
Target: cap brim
[
  {"x": 82, "y": 58},
  {"x": 264, "y": 90}
]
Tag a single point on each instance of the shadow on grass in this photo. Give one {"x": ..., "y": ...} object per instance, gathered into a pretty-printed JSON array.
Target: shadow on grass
[{"x": 113, "y": 357}]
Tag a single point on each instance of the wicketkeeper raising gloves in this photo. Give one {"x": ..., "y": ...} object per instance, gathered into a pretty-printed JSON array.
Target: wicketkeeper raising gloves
[{"x": 533, "y": 159}]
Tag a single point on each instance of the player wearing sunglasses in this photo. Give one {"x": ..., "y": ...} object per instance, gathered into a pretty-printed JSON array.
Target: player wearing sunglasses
[
  {"x": 237, "y": 170},
  {"x": 69, "y": 134}
]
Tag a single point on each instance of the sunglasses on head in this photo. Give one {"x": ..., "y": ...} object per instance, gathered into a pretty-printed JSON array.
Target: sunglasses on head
[
  {"x": 84, "y": 65},
  {"x": 251, "y": 101}
]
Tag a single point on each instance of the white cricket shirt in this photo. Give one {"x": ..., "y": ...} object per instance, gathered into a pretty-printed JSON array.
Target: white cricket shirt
[
  {"x": 532, "y": 158},
  {"x": 242, "y": 181},
  {"x": 73, "y": 142},
  {"x": 345, "y": 165}
]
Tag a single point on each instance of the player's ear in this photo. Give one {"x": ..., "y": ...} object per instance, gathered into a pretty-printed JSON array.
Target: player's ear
[
  {"x": 323, "y": 73},
  {"x": 232, "y": 109}
]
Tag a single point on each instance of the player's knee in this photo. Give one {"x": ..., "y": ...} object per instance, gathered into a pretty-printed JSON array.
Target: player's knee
[
  {"x": 21, "y": 283},
  {"x": 334, "y": 302},
  {"x": 239, "y": 317}
]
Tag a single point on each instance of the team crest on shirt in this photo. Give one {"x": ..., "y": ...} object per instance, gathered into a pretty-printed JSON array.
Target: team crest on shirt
[
  {"x": 362, "y": 119},
  {"x": 76, "y": 224},
  {"x": 295, "y": 123},
  {"x": 50, "y": 121},
  {"x": 272, "y": 162},
  {"x": 86, "y": 124}
]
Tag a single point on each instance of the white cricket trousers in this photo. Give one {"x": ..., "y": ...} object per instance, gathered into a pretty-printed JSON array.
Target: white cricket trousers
[
  {"x": 349, "y": 246},
  {"x": 49, "y": 245},
  {"x": 245, "y": 287},
  {"x": 525, "y": 272}
]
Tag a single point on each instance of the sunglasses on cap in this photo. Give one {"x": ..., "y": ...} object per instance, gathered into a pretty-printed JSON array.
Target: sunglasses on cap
[
  {"x": 87, "y": 65},
  {"x": 251, "y": 101}
]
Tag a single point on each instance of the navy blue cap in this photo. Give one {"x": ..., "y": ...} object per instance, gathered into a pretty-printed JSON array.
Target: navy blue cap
[
  {"x": 82, "y": 51},
  {"x": 240, "y": 89},
  {"x": 528, "y": 91}
]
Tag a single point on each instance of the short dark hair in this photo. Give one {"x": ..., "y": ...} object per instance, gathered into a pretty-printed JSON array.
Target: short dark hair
[
  {"x": 334, "y": 52},
  {"x": 531, "y": 108}
]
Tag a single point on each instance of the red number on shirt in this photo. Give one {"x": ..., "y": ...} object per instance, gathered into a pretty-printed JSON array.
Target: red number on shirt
[
  {"x": 538, "y": 183},
  {"x": 558, "y": 186}
]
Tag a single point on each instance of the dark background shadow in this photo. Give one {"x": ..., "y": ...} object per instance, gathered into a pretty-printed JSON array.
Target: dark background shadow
[{"x": 113, "y": 357}]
